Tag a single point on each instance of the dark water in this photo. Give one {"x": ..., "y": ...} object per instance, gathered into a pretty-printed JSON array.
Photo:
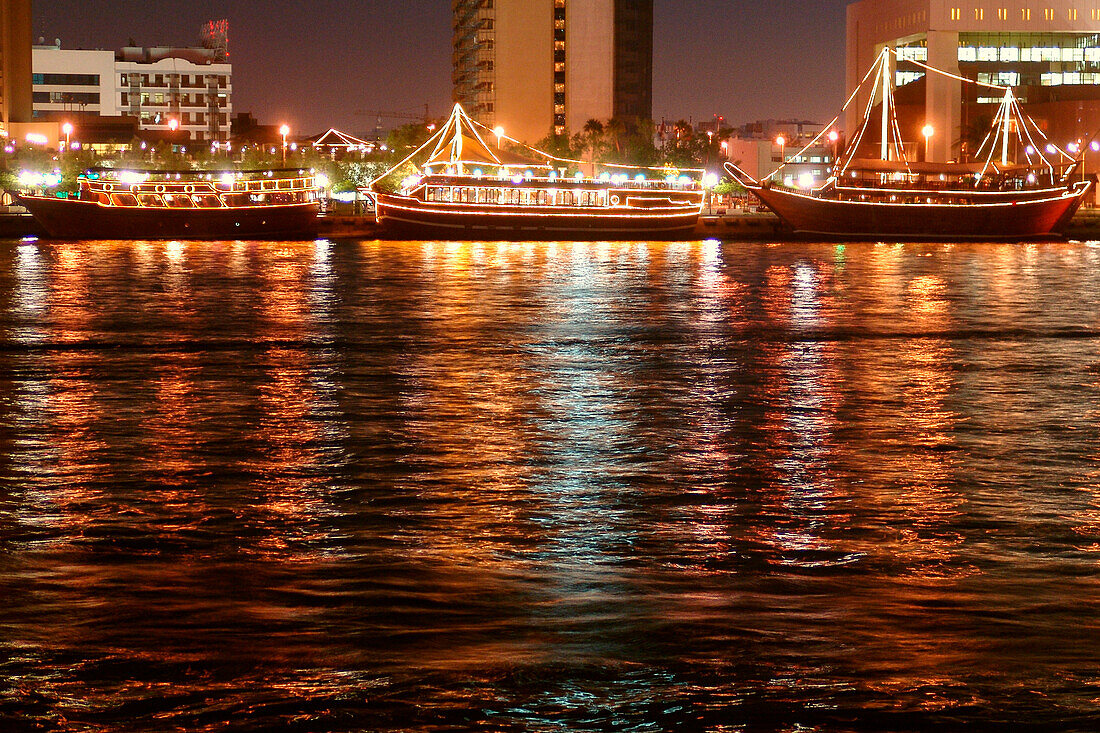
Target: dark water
[{"x": 549, "y": 487}]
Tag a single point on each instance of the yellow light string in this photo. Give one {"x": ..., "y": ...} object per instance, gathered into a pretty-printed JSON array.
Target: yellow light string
[
  {"x": 850, "y": 156},
  {"x": 624, "y": 166},
  {"x": 413, "y": 154},
  {"x": 948, "y": 74}
]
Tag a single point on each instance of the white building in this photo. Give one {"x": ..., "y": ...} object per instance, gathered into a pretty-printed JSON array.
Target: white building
[
  {"x": 760, "y": 148},
  {"x": 154, "y": 85},
  {"x": 1049, "y": 50}
]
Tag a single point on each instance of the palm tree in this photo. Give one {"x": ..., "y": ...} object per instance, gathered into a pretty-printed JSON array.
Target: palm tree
[{"x": 593, "y": 134}]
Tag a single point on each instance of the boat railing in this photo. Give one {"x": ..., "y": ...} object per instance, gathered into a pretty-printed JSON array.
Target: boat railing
[{"x": 565, "y": 181}]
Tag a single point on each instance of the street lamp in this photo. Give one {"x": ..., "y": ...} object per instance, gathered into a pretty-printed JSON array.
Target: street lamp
[
  {"x": 927, "y": 131},
  {"x": 67, "y": 128},
  {"x": 782, "y": 143},
  {"x": 173, "y": 124},
  {"x": 284, "y": 131}
]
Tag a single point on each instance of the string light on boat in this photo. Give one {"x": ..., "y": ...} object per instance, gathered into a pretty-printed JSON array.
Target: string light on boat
[
  {"x": 1073, "y": 147},
  {"x": 131, "y": 178}
]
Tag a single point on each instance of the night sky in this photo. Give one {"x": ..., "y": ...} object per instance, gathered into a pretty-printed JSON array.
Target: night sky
[{"x": 315, "y": 63}]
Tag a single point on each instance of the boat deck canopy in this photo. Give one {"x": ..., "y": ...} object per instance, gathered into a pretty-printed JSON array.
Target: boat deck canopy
[{"x": 875, "y": 165}]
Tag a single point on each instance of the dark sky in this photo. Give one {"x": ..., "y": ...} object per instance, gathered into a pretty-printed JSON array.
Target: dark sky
[{"x": 314, "y": 63}]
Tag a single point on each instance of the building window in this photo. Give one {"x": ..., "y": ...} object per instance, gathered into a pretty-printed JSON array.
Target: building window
[
  {"x": 1025, "y": 14},
  {"x": 78, "y": 80},
  {"x": 1073, "y": 14},
  {"x": 1002, "y": 13},
  {"x": 979, "y": 14},
  {"x": 956, "y": 13},
  {"x": 1048, "y": 14}
]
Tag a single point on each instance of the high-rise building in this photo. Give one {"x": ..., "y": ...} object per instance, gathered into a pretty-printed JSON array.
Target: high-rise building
[
  {"x": 1049, "y": 50},
  {"x": 15, "y": 63},
  {"x": 536, "y": 66}
]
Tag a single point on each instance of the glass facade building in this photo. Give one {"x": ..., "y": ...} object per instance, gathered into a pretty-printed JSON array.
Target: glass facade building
[{"x": 1048, "y": 50}]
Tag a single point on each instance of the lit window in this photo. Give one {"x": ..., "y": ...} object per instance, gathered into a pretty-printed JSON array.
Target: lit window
[
  {"x": 956, "y": 13},
  {"x": 1025, "y": 14},
  {"x": 979, "y": 14},
  {"x": 1096, "y": 13},
  {"x": 1048, "y": 14},
  {"x": 1002, "y": 13},
  {"x": 1073, "y": 14}
]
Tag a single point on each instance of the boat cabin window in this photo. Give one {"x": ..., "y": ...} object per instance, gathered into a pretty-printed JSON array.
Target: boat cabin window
[
  {"x": 178, "y": 201},
  {"x": 237, "y": 199},
  {"x": 150, "y": 199},
  {"x": 207, "y": 201},
  {"x": 124, "y": 199}
]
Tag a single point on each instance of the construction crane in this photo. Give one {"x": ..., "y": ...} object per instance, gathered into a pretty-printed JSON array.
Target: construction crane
[{"x": 398, "y": 115}]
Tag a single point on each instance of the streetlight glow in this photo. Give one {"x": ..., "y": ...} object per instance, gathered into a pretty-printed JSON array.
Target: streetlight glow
[{"x": 284, "y": 130}]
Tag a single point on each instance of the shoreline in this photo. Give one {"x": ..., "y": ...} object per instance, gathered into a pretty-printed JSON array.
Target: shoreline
[{"x": 741, "y": 226}]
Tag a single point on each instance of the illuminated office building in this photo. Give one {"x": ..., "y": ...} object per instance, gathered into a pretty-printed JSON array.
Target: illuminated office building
[
  {"x": 1048, "y": 49},
  {"x": 532, "y": 66}
]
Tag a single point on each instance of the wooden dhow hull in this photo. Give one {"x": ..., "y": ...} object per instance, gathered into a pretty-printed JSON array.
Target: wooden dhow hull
[
  {"x": 410, "y": 216},
  {"x": 79, "y": 219},
  {"x": 1006, "y": 217}
]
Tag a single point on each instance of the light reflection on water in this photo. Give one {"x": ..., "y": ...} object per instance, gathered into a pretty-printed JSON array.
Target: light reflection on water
[{"x": 549, "y": 486}]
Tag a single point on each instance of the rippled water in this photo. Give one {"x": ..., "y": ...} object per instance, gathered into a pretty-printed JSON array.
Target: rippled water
[{"x": 549, "y": 487}]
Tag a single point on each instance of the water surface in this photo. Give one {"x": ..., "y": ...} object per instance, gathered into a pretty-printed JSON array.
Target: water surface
[{"x": 549, "y": 486}]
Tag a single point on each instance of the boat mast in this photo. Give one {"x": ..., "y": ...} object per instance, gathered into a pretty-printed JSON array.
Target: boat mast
[
  {"x": 1007, "y": 128},
  {"x": 885, "y": 103}
]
